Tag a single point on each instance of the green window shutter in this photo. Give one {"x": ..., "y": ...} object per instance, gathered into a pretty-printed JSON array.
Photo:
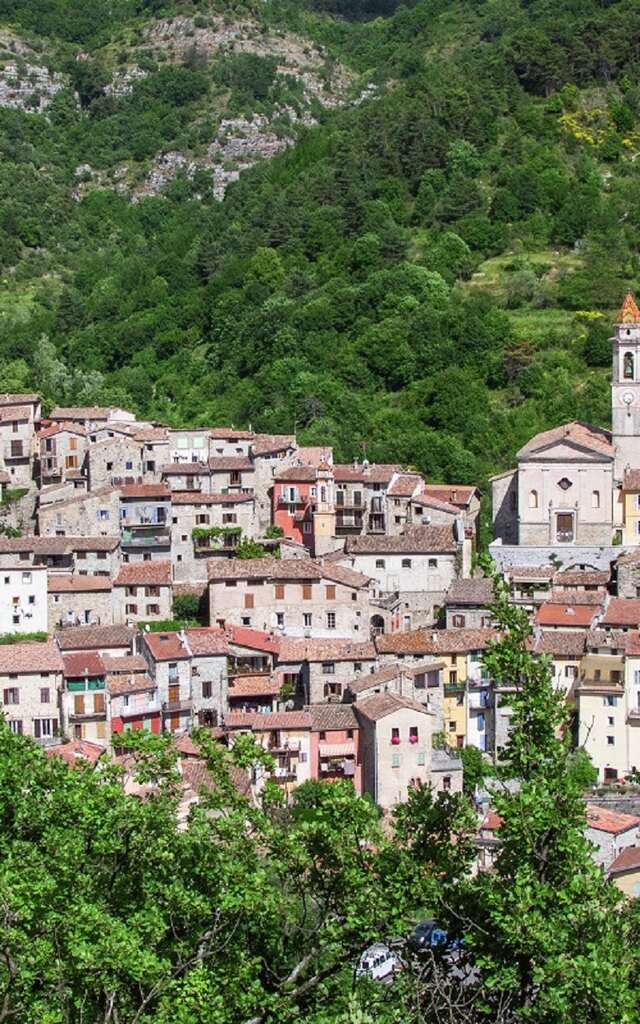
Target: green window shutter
[
  {"x": 75, "y": 686},
  {"x": 96, "y": 684}
]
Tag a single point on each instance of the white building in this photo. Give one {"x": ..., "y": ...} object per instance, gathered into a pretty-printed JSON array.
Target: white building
[{"x": 23, "y": 600}]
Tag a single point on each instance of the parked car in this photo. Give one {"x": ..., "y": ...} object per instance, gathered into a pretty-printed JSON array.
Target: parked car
[
  {"x": 378, "y": 963},
  {"x": 428, "y": 935}
]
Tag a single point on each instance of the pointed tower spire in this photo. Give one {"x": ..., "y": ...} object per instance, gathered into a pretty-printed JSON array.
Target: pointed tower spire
[{"x": 629, "y": 312}]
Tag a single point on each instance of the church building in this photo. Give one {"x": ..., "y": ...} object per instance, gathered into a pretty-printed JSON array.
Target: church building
[{"x": 575, "y": 492}]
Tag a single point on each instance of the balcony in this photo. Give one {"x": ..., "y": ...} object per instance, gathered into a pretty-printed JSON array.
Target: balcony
[
  {"x": 84, "y": 716},
  {"x": 285, "y": 747},
  {"x": 138, "y": 535},
  {"x": 76, "y": 620},
  {"x": 148, "y": 707},
  {"x": 283, "y": 775},
  {"x": 453, "y": 689},
  {"x": 16, "y": 450},
  {"x": 633, "y": 715},
  {"x": 174, "y": 706}
]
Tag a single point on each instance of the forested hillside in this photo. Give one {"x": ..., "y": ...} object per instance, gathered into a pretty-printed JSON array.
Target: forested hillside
[{"x": 425, "y": 268}]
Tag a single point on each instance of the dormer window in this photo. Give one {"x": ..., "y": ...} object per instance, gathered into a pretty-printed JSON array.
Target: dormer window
[{"x": 627, "y": 371}]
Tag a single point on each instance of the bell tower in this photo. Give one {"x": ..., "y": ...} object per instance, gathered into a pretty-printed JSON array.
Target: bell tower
[{"x": 625, "y": 387}]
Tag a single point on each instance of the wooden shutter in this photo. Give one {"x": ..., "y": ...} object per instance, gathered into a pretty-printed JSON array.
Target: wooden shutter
[
  {"x": 174, "y": 694},
  {"x": 98, "y": 702},
  {"x": 279, "y": 591},
  {"x": 306, "y": 591},
  {"x": 331, "y": 592},
  {"x": 248, "y": 600},
  {"x": 78, "y": 704}
]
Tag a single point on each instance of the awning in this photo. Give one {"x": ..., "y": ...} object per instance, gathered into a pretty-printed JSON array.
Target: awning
[{"x": 347, "y": 749}]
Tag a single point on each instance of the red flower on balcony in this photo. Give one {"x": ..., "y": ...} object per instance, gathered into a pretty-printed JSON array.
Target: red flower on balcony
[
  {"x": 413, "y": 739},
  {"x": 395, "y": 740}
]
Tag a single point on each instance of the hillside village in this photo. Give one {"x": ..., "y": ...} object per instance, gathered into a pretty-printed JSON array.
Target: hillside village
[{"x": 157, "y": 578}]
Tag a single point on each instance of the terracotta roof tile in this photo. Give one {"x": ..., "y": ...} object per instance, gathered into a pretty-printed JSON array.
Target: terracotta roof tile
[
  {"x": 115, "y": 664},
  {"x": 144, "y": 574},
  {"x": 59, "y": 428},
  {"x": 263, "y": 568},
  {"x": 254, "y": 686},
  {"x": 78, "y": 638},
  {"x": 561, "y": 643},
  {"x": 184, "y": 469},
  {"x": 231, "y": 462},
  {"x": 383, "y": 704},
  {"x": 477, "y": 591},
  {"x": 628, "y": 860},
  {"x": 198, "y": 498},
  {"x": 27, "y": 399},
  {"x": 82, "y": 663},
  {"x": 304, "y": 474},
  {"x": 150, "y": 434},
  {"x": 530, "y": 572},
  {"x": 132, "y": 682},
  {"x": 253, "y": 639},
  {"x": 270, "y": 444},
  {"x": 166, "y": 646},
  {"x": 294, "y": 649},
  {"x": 30, "y": 657},
  {"x": 416, "y": 540},
  {"x": 361, "y": 683},
  {"x": 428, "y": 501},
  {"x": 207, "y": 640},
  {"x": 559, "y": 595},
  {"x": 573, "y": 615},
  {"x": 332, "y": 717},
  {"x": 229, "y": 434},
  {"x": 145, "y": 491},
  {"x": 80, "y": 412},
  {"x": 405, "y": 485},
  {"x": 76, "y": 751},
  {"x": 584, "y": 435},
  {"x": 62, "y": 583},
  {"x": 581, "y": 578},
  {"x": 435, "y": 641},
  {"x": 622, "y": 611},
  {"x": 459, "y": 495},
  {"x": 614, "y": 822},
  {"x": 14, "y": 413},
  {"x": 341, "y": 574},
  {"x": 263, "y": 722}
]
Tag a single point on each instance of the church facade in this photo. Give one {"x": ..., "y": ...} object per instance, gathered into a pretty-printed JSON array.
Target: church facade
[{"x": 575, "y": 492}]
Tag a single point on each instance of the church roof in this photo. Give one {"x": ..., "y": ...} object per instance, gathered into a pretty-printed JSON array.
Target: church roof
[
  {"x": 629, "y": 312},
  {"x": 582, "y": 434}
]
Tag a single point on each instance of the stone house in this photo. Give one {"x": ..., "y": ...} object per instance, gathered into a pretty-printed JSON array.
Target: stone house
[
  {"x": 23, "y": 600},
  {"x": 30, "y": 402},
  {"x": 186, "y": 476},
  {"x": 611, "y": 832},
  {"x": 423, "y": 683},
  {"x": 235, "y": 473},
  {"x": 154, "y": 443},
  {"x": 192, "y": 510},
  {"x": 297, "y": 597},
  {"x": 225, "y": 442},
  {"x": 18, "y": 444},
  {"x": 464, "y": 497},
  {"x": 97, "y": 555},
  {"x": 91, "y": 416},
  {"x": 317, "y": 671},
  {"x": 254, "y": 692},
  {"x": 76, "y": 600},
  {"x": 145, "y": 522},
  {"x": 114, "y": 462},
  {"x": 419, "y": 565},
  {"x": 209, "y": 675},
  {"x": 335, "y": 738},
  {"x": 628, "y": 574},
  {"x": 110, "y": 641},
  {"x": 189, "y": 446},
  {"x": 566, "y": 648},
  {"x": 396, "y": 745},
  {"x": 61, "y": 450},
  {"x": 133, "y": 703},
  {"x": 96, "y": 513},
  {"x": 286, "y": 735},
  {"x": 30, "y": 684},
  {"x": 142, "y": 591},
  {"x": 467, "y": 604},
  {"x": 169, "y": 664},
  {"x": 251, "y": 650},
  {"x": 85, "y": 709},
  {"x": 402, "y": 490}
]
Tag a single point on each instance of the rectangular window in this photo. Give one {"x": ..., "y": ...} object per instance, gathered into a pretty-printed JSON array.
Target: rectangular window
[
  {"x": 206, "y": 688},
  {"x": 328, "y": 668},
  {"x": 307, "y": 527},
  {"x": 395, "y": 736},
  {"x": 153, "y": 609},
  {"x": 453, "y": 676},
  {"x": 16, "y": 727},
  {"x": 379, "y": 563},
  {"x": 406, "y": 563},
  {"x": 331, "y": 620},
  {"x": 248, "y": 600},
  {"x": 395, "y": 760},
  {"x": 11, "y": 695},
  {"x": 422, "y": 760},
  {"x": 307, "y": 591},
  {"x": 611, "y": 741},
  {"x": 45, "y": 695},
  {"x": 432, "y": 563},
  {"x": 458, "y": 621},
  {"x": 279, "y": 591},
  {"x": 330, "y": 592},
  {"x": 452, "y": 726},
  {"x": 44, "y": 727},
  {"x": 413, "y": 734},
  {"x": 26, "y": 577},
  {"x": 307, "y": 620},
  {"x": 279, "y": 618}
]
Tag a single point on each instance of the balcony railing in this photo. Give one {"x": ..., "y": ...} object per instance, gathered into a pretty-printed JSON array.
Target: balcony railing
[
  {"x": 136, "y": 537},
  {"x": 283, "y": 775},
  {"x": 82, "y": 716},
  {"x": 169, "y": 706},
  {"x": 76, "y": 620},
  {"x": 452, "y": 689},
  {"x": 132, "y": 710}
]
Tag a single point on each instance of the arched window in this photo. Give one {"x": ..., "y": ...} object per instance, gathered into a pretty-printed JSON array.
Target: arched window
[
  {"x": 628, "y": 366},
  {"x": 533, "y": 499},
  {"x": 595, "y": 499}
]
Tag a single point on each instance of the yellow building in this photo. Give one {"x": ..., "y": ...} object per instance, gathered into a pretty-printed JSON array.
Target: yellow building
[
  {"x": 631, "y": 507},
  {"x": 625, "y": 872}
]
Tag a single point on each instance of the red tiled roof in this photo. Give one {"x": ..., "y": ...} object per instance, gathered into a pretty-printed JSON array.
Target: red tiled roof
[
  {"x": 30, "y": 657},
  {"x": 530, "y": 572},
  {"x": 382, "y": 704},
  {"x": 254, "y": 686},
  {"x": 628, "y": 860},
  {"x": 629, "y": 312},
  {"x": 344, "y": 575},
  {"x": 405, "y": 485},
  {"x": 184, "y": 469},
  {"x": 435, "y": 641},
  {"x": 229, "y": 434},
  {"x": 263, "y": 568},
  {"x": 80, "y": 412},
  {"x": 262, "y": 722},
  {"x": 605, "y": 820},
  {"x": 491, "y": 821},
  {"x": 15, "y": 413},
  {"x": 8, "y": 399},
  {"x": 144, "y": 574},
  {"x": 632, "y": 643},
  {"x": 76, "y": 584},
  {"x": 578, "y": 615},
  {"x": 207, "y": 640},
  {"x": 428, "y": 501},
  {"x": 82, "y": 663},
  {"x": 332, "y": 717},
  {"x": 166, "y": 646},
  {"x": 584, "y": 435},
  {"x": 348, "y": 474},
  {"x": 145, "y": 491},
  {"x": 115, "y": 664},
  {"x": 293, "y": 649},
  {"x": 151, "y": 434},
  {"x": 477, "y": 591},
  {"x": 415, "y": 540},
  {"x": 198, "y": 498},
  {"x": 581, "y": 578},
  {"x": 253, "y": 639},
  {"x": 133, "y": 682},
  {"x": 622, "y": 611},
  {"x": 304, "y": 474},
  {"x": 269, "y": 444},
  {"x": 454, "y": 494},
  {"x": 569, "y": 643},
  {"x": 224, "y": 464},
  {"x": 80, "y": 638},
  {"x": 561, "y": 595},
  {"x": 74, "y": 751},
  {"x": 67, "y": 428},
  {"x": 381, "y": 474}
]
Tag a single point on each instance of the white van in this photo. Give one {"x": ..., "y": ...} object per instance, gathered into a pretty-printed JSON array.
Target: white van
[{"x": 378, "y": 963}]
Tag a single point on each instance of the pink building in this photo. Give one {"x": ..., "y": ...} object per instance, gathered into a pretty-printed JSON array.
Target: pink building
[
  {"x": 335, "y": 744},
  {"x": 294, "y": 499}
]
